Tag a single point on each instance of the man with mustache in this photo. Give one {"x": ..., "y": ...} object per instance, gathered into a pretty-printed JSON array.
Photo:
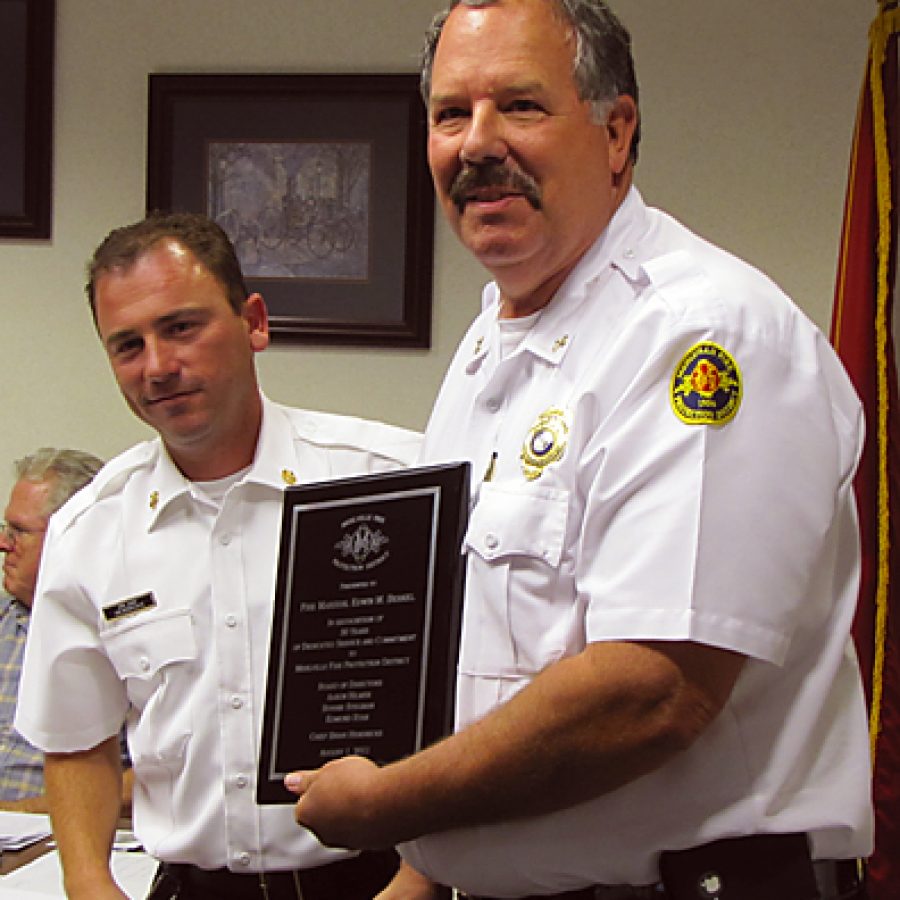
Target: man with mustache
[
  {"x": 155, "y": 598},
  {"x": 657, "y": 695}
]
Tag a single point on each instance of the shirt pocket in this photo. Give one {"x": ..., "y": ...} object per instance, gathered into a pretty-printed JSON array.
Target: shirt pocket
[
  {"x": 156, "y": 658},
  {"x": 516, "y": 618}
]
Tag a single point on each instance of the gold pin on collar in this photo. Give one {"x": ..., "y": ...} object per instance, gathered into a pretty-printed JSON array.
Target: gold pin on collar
[
  {"x": 154, "y": 499},
  {"x": 288, "y": 477}
]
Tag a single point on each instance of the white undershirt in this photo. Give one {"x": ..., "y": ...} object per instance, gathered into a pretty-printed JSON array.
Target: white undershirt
[{"x": 513, "y": 331}]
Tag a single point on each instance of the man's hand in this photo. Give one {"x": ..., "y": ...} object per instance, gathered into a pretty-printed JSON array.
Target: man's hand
[
  {"x": 109, "y": 891},
  {"x": 408, "y": 884},
  {"x": 339, "y": 804}
]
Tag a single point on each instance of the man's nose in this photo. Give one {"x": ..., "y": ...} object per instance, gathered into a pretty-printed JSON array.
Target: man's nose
[
  {"x": 484, "y": 140},
  {"x": 160, "y": 360}
]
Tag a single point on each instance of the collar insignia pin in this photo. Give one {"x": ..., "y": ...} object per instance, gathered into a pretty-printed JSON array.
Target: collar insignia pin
[
  {"x": 478, "y": 345},
  {"x": 154, "y": 499},
  {"x": 559, "y": 343},
  {"x": 288, "y": 477}
]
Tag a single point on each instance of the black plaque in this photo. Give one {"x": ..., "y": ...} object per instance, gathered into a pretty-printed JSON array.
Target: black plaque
[{"x": 365, "y": 631}]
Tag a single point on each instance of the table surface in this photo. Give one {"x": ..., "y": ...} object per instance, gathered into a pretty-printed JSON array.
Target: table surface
[{"x": 13, "y": 859}]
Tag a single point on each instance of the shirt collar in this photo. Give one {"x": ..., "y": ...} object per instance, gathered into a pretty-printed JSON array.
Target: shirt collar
[
  {"x": 551, "y": 336},
  {"x": 617, "y": 247},
  {"x": 273, "y": 465}
]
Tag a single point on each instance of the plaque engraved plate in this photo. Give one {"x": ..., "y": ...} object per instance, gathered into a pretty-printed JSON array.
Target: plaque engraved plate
[{"x": 365, "y": 629}]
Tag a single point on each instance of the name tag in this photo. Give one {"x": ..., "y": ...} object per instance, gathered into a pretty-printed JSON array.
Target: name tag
[{"x": 129, "y": 607}]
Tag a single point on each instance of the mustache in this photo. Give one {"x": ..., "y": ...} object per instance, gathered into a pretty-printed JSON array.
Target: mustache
[
  {"x": 489, "y": 175},
  {"x": 166, "y": 391}
]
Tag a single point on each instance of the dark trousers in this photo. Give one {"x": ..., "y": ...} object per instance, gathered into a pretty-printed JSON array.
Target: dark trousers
[{"x": 359, "y": 878}]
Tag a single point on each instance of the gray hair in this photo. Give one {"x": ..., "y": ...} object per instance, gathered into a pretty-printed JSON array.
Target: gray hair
[
  {"x": 603, "y": 68},
  {"x": 67, "y": 470}
]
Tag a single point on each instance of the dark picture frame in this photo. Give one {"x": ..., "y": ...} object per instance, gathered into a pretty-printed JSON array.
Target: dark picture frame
[
  {"x": 323, "y": 185},
  {"x": 27, "y": 42}
]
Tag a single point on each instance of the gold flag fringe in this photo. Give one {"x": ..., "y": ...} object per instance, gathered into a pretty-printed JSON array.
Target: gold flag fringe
[{"x": 886, "y": 24}]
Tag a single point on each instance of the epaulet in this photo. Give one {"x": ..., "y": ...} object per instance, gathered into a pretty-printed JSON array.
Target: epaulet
[
  {"x": 676, "y": 274},
  {"x": 108, "y": 481},
  {"x": 335, "y": 429}
]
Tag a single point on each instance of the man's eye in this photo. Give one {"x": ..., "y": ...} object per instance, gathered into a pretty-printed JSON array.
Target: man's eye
[
  {"x": 525, "y": 106},
  {"x": 450, "y": 114},
  {"x": 182, "y": 327},
  {"x": 127, "y": 348}
]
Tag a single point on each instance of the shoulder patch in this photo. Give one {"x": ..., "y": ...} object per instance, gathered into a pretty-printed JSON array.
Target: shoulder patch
[{"x": 706, "y": 386}]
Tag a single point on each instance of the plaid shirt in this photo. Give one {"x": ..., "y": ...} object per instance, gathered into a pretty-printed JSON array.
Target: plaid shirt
[{"x": 21, "y": 765}]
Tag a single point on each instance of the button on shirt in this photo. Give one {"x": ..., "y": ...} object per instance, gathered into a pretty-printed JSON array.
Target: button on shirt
[
  {"x": 21, "y": 764},
  {"x": 618, "y": 521},
  {"x": 187, "y": 671}
]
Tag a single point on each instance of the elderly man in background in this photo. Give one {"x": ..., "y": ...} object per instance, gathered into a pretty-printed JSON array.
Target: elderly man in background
[
  {"x": 45, "y": 480},
  {"x": 657, "y": 693}
]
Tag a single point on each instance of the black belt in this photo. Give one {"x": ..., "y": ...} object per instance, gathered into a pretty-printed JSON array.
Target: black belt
[
  {"x": 597, "y": 892},
  {"x": 762, "y": 867},
  {"x": 358, "y": 878}
]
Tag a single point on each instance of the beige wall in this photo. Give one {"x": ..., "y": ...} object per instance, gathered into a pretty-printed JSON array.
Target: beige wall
[{"x": 748, "y": 111}]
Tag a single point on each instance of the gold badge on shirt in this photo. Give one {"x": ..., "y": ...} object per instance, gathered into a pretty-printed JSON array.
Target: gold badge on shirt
[{"x": 545, "y": 443}]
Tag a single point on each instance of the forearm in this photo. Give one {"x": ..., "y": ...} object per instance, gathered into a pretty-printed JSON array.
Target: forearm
[
  {"x": 561, "y": 741},
  {"x": 585, "y": 726},
  {"x": 127, "y": 791},
  {"x": 84, "y": 791}
]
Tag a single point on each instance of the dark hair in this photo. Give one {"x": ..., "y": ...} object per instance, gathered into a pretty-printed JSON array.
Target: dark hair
[
  {"x": 67, "y": 470},
  {"x": 603, "y": 68},
  {"x": 123, "y": 247}
]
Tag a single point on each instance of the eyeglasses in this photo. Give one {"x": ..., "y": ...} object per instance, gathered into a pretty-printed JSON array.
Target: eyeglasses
[{"x": 14, "y": 533}]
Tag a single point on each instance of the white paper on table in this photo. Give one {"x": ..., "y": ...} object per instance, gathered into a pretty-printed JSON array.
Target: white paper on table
[
  {"x": 42, "y": 879},
  {"x": 18, "y": 830}
]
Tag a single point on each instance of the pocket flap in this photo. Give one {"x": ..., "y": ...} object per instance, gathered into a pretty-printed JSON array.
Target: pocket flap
[
  {"x": 143, "y": 646},
  {"x": 513, "y": 520}
]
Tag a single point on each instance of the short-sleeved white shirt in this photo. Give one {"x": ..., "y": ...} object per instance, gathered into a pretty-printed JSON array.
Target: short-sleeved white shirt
[
  {"x": 635, "y": 525},
  {"x": 189, "y": 673}
]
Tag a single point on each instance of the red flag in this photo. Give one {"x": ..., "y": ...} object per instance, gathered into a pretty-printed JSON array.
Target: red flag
[{"x": 862, "y": 335}]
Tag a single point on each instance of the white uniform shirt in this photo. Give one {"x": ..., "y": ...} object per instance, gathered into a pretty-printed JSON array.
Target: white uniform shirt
[
  {"x": 639, "y": 526},
  {"x": 189, "y": 674}
]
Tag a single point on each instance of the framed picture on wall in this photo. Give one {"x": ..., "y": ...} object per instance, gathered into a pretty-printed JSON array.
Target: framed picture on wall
[
  {"x": 27, "y": 30},
  {"x": 322, "y": 184}
]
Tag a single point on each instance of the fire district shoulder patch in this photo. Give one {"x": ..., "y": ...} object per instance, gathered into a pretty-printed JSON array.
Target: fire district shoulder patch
[{"x": 706, "y": 386}]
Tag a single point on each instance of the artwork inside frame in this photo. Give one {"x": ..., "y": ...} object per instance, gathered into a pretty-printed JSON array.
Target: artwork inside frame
[
  {"x": 27, "y": 42},
  {"x": 322, "y": 183}
]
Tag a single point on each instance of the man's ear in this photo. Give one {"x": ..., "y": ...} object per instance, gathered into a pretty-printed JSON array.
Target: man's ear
[
  {"x": 256, "y": 316},
  {"x": 621, "y": 122}
]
